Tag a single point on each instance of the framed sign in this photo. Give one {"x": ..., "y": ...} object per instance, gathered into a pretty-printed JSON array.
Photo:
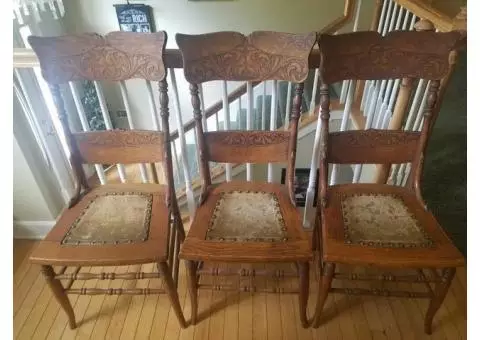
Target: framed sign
[
  {"x": 300, "y": 185},
  {"x": 135, "y": 18}
]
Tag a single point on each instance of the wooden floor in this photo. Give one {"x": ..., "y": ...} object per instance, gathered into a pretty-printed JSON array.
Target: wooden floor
[{"x": 222, "y": 315}]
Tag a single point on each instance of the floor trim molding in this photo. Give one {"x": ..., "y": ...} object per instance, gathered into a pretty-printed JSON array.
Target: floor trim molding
[{"x": 32, "y": 230}]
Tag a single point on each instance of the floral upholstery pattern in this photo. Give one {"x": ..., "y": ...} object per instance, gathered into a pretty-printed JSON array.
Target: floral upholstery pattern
[
  {"x": 378, "y": 220},
  {"x": 113, "y": 218},
  {"x": 247, "y": 216}
]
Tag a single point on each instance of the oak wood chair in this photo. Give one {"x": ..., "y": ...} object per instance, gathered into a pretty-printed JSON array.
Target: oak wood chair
[
  {"x": 239, "y": 221},
  {"x": 381, "y": 225},
  {"x": 113, "y": 224}
]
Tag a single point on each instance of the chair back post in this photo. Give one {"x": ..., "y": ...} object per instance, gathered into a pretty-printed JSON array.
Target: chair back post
[
  {"x": 202, "y": 149},
  {"x": 171, "y": 195},
  {"x": 323, "y": 167},
  {"x": 414, "y": 181},
  {"x": 293, "y": 127}
]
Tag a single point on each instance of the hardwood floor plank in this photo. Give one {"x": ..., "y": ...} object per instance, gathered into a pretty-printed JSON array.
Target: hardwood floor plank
[
  {"x": 172, "y": 327},
  {"x": 81, "y": 308},
  {"x": 21, "y": 252},
  {"x": 159, "y": 323},
  {"x": 107, "y": 308},
  {"x": 231, "y": 322},
  {"x": 121, "y": 309},
  {"x": 259, "y": 317},
  {"x": 274, "y": 317},
  {"x": 136, "y": 306},
  {"x": 219, "y": 299},
  {"x": 204, "y": 311},
  {"x": 287, "y": 307},
  {"x": 94, "y": 307},
  {"x": 148, "y": 311},
  {"x": 21, "y": 290},
  {"x": 61, "y": 320},
  {"x": 28, "y": 302},
  {"x": 256, "y": 315},
  {"x": 185, "y": 333},
  {"x": 49, "y": 316}
]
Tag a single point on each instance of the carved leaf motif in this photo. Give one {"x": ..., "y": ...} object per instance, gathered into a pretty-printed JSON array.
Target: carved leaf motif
[
  {"x": 373, "y": 138},
  {"x": 117, "y": 56},
  {"x": 400, "y": 54},
  {"x": 249, "y": 138},
  {"x": 232, "y": 56},
  {"x": 119, "y": 138}
]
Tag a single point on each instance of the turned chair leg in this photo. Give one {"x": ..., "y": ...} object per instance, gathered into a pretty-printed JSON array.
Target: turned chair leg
[
  {"x": 59, "y": 293},
  {"x": 172, "y": 292},
  {"x": 441, "y": 289},
  {"x": 324, "y": 285},
  {"x": 303, "y": 270},
  {"x": 192, "y": 288}
]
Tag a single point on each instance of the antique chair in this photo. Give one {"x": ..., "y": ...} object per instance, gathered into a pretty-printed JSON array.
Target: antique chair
[
  {"x": 240, "y": 221},
  {"x": 112, "y": 224},
  {"x": 380, "y": 225}
]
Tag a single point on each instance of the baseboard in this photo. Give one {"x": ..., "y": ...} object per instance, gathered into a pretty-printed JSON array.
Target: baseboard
[{"x": 33, "y": 230}]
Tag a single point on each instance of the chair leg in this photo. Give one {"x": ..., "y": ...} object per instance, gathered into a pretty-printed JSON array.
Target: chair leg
[
  {"x": 324, "y": 285},
  {"x": 441, "y": 289},
  {"x": 59, "y": 293},
  {"x": 172, "y": 292},
  {"x": 192, "y": 288},
  {"x": 303, "y": 270}
]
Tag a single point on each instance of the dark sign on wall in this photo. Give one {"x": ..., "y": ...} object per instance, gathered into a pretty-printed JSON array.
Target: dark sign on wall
[{"x": 135, "y": 18}]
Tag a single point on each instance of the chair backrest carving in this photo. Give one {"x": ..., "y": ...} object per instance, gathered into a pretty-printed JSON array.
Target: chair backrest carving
[
  {"x": 369, "y": 56},
  {"x": 118, "y": 56},
  {"x": 260, "y": 56}
]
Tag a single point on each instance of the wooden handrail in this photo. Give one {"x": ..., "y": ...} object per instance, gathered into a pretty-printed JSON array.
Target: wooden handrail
[{"x": 445, "y": 17}]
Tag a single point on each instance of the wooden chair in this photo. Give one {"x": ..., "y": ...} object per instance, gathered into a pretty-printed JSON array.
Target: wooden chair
[
  {"x": 239, "y": 221},
  {"x": 113, "y": 224},
  {"x": 377, "y": 224}
]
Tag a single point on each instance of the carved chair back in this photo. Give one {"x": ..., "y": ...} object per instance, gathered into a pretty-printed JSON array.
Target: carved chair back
[
  {"x": 232, "y": 56},
  {"x": 369, "y": 56},
  {"x": 118, "y": 56}
]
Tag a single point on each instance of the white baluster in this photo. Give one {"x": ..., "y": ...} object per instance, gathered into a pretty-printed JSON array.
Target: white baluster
[
  {"x": 405, "y": 21},
  {"x": 412, "y": 22},
  {"x": 343, "y": 126},
  {"x": 175, "y": 161},
  {"x": 157, "y": 123},
  {"x": 357, "y": 15},
  {"x": 378, "y": 104},
  {"x": 108, "y": 122},
  {"x": 249, "y": 121},
  {"x": 399, "y": 18},
  {"x": 264, "y": 102},
  {"x": 382, "y": 16},
  {"x": 126, "y": 103},
  {"x": 394, "y": 16},
  {"x": 388, "y": 18},
  {"x": 85, "y": 126},
  {"x": 287, "y": 106},
  {"x": 366, "y": 95},
  {"x": 273, "y": 119},
  {"x": 343, "y": 92},
  {"x": 370, "y": 113},
  {"x": 314, "y": 91},
  {"x": 217, "y": 123},
  {"x": 183, "y": 144},
  {"x": 202, "y": 103},
  {"x": 226, "y": 125},
  {"x": 309, "y": 211}
]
